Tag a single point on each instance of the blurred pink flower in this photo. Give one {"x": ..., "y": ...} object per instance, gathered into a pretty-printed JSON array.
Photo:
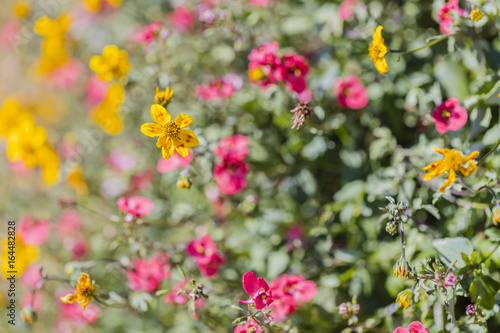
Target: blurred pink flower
[
  {"x": 295, "y": 237},
  {"x": 173, "y": 163},
  {"x": 233, "y": 148},
  {"x": 294, "y": 70},
  {"x": 37, "y": 302},
  {"x": 258, "y": 290},
  {"x": 69, "y": 148},
  {"x": 265, "y": 65},
  {"x": 346, "y": 9},
  {"x": 260, "y": 3},
  {"x": 69, "y": 223},
  {"x": 148, "y": 274},
  {"x": 351, "y": 93},
  {"x": 148, "y": 34},
  {"x": 20, "y": 169},
  {"x": 445, "y": 15},
  {"x": 182, "y": 18},
  {"x": 33, "y": 232},
  {"x": 140, "y": 181},
  {"x": 415, "y": 327},
  {"x": 97, "y": 91},
  {"x": 204, "y": 250},
  {"x": 66, "y": 76},
  {"x": 72, "y": 318},
  {"x": 10, "y": 33},
  {"x": 121, "y": 161},
  {"x": 449, "y": 116},
  {"x": 216, "y": 89},
  {"x": 78, "y": 247},
  {"x": 174, "y": 297},
  {"x": 31, "y": 277},
  {"x": 289, "y": 291},
  {"x": 230, "y": 177},
  {"x": 246, "y": 328},
  {"x": 135, "y": 206}
]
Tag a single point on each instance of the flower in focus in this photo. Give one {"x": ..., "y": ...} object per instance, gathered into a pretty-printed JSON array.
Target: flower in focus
[
  {"x": 402, "y": 269},
  {"x": 135, "y": 206},
  {"x": 106, "y": 114},
  {"x": 204, "y": 250},
  {"x": 33, "y": 232},
  {"x": 445, "y": 15},
  {"x": 415, "y": 327},
  {"x": 164, "y": 97},
  {"x": 84, "y": 292},
  {"x": 449, "y": 116},
  {"x": 147, "y": 274},
  {"x": 249, "y": 326},
  {"x": 182, "y": 19},
  {"x": 172, "y": 134},
  {"x": 378, "y": 51},
  {"x": 452, "y": 162},
  {"x": 476, "y": 15},
  {"x": 405, "y": 298},
  {"x": 351, "y": 93},
  {"x": 173, "y": 163},
  {"x": 258, "y": 290},
  {"x": 496, "y": 215},
  {"x": 288, "y": 291},
  {"x": 98, "y": 5},
  {"x": 112, "y": 64}
]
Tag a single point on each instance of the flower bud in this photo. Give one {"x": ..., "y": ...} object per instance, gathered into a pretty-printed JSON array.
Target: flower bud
[
  {"x": 402, "y": 269},
  {"x": 496, "y": 215},
  {"x": 184, "y": 182},
  {"x": 450, "y": 280},
  {"x": 28, "y": 314},
  {"x": 470, "y": 311},
  {"x": 405, "y": 298}
]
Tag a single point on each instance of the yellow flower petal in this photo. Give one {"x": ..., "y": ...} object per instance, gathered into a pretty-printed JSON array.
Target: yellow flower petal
[
  {"x": 183, "y": 120},
  {"x": 168, "y": 149},
  {"x": 151, "y": 129},
  {"x": 188, "y": 138},
  {"x": 159, "y": 114}
]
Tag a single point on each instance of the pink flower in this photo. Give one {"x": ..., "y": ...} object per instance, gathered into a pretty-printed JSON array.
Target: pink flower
[
  {"x": 66, "y": 76},
  {"x": 10, "y": 33},
  {"x": 445, "y": 15},
  {"x": 148, "y": 34},
  {"x": 121, "y": 161},
  {"x": 33, "y": 232},
  {"x": 346, "y": 9},
  {"x": 204, "y": 250},
  {"x": 141, "y": 181},
  {"x": 415, "y": 327},
  {"x": 20, "y": 169},
  {"x": 175, "y": 297},
  {"x": 233, "y": 148},
  {"x": 181, "y": 18},
  {"x": 258, "y": 290},
  {"x": 230, "y": 177},
  {"x": 77, "y": 246},
  {"x": 295, "y": 238},
  {"x": 148, "y": 274},
  {"x": 135, "y": 206},
  {"x": 37, "y": 302},
  {"x": 294, "y": 70},
  {"x": 97, "y": 90},
  {"x": 449, "y": 116},
  {"x": 260, "y": 3},
  {"x": 450, "y": 280},
  {"x": 173, "y": 163},
  {"x": 288, "y": 291},
  {"x": 69, "y": 223},
  {"x": 216, "y": 89},
  {"x": 351, "y": 93},
  {"x": 31, "y": 277},
  {"x": 265, "y": 65},
  {"x": 246, "y": 328}
]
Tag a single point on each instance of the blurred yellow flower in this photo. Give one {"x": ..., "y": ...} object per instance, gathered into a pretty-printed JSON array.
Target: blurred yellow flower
[
  {"x": 12, "y": 115},
  {"x": 164, "y": 97},
  {"x": 21, "y": 9},
  {"x": 496, "y": 215},
  {"x": 112, "y": 63},
  {"x": 476, "y": 15},
  {"x": 452, "y": 162},
  {"x": 24, "y": 141},
  {"x": 378, "y": 50},
  {"x": 84, "y": 292},
  {"x": 49, "y": 161},
  {"x": 184, "y": 182},
  {"x": 172, "y": 134},
  {"x": 53, "y": 50},
  {"x": 405, "y": 299},
  {"x": 25, "y": 255},
  {"x": 96, "y": 5},
  {"x": 75, "y": 180},
  {"x": 106, "y": 114},
  {"x": 256, "y": 74}
]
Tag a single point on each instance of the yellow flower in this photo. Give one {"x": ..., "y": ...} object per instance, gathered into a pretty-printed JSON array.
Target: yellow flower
[
  {"x": 53, "y": 51},
  {"x": 49, "y": 161},
  {"x": 11, "y": 116},
  {"x": 452, "y": 162},
  {"x": 402, "y": 269},
  {"x": 106, "y": 114},
  {"x": 476, "y": 15},
  {"x": 25, "y": 255},
  {"x": 95, "y": 5},
  {"x": 255, "y": 74},
  {"x": 112, "y": 63},
  {"x": 405, "y": 298},
  {"x": 76, "y": 181},
  {"x": 28, "y": 314},
  {"x": 164, "y": 97},
  {"x": 496, "y": 215},
  {"x": 172, "y": 134},
  {"x": 378, "y": 50},
  {"x": 24, "y": 141},
  {"x": 84, "y": 292},
  {"x": 183, "y": 182},
  {"x": 21, "y": 9}
]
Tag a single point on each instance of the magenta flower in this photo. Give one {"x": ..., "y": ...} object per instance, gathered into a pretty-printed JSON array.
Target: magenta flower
[
  {"x": 97, "y": 90},
  {"x": 415, "y": 327},
  {"x": 233, "y": 148},
  {"x": 260, "y": 3},
  {"x": 147, "y": 274},
  {"x": 258, "y": 290},
  {"x": 445, "y": 15},
  {"x": 219, "y": 88},
  {"x": 351, "y": 93},
  {"x": 450, "y": 280},
  {"x": 182, "y": 19},
  {"x": 135, "y": 206},
  {"x": 69, "y": 224},
  {"x": 148, "y": 34},
  {"x": 204, "y": 251},
  {"x": 122, "y": 161},
  {"x": 449, "y": 116},
  {"x": 31, "y": 277},
  {"x": 294, "y": 71},
  {"x": 66, "y": 76},
  {"x": 289, "y": 291},
  {"x": 346, "y": 9},
  {"x": 248, "y": 325},
  {"x": 173, "y": 163},
  {"x": 33, "y": 232},
  {"x": 231, "y": 176},
  {"x": 265, "y": 65}
]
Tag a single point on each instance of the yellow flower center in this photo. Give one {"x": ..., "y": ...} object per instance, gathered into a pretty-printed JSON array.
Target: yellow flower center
[
  {"x": 297, "y": 72},
  {"x": 171, "y": 129},
  {"x": 445, "y": 114}
]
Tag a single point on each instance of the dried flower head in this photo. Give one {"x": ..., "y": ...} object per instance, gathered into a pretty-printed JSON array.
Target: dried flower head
[{"x": 301, "y": 112}]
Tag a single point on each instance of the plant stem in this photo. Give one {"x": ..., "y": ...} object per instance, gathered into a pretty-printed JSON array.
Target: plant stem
[
  {"x": 491, "y": 151},
  {"x": 423, "y": 47}
]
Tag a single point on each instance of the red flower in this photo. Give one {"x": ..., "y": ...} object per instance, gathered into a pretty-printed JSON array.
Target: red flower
[
  {"x": 294, "y": 70},
  {"x": 449, "y": 116},
  {"x": 351, "y": 93},
  {"x": 204, "y": 250},
  {"x": 258, "y": 289},
  {"x": 415, "y": 327}
]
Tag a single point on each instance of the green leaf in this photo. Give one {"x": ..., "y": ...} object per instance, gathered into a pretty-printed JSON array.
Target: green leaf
[
  {"x": 493, "y": 234},
  {"x": 450, "y": 249},
  {"x": 277, "y": 262},
  {"x": 483, "y": 290},
  {"x": 432, "y": 210}
]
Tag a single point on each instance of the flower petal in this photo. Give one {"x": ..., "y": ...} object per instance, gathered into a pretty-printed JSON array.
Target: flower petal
[
  {"x": 159, "y": 114},
  {"x": 151, "y": 129},
  {"x": 168, "y": 149},
  {"x": 183, "y": 120},
  {"x": 250, "y": 283},
  {"x": 188, "y": 138}
]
